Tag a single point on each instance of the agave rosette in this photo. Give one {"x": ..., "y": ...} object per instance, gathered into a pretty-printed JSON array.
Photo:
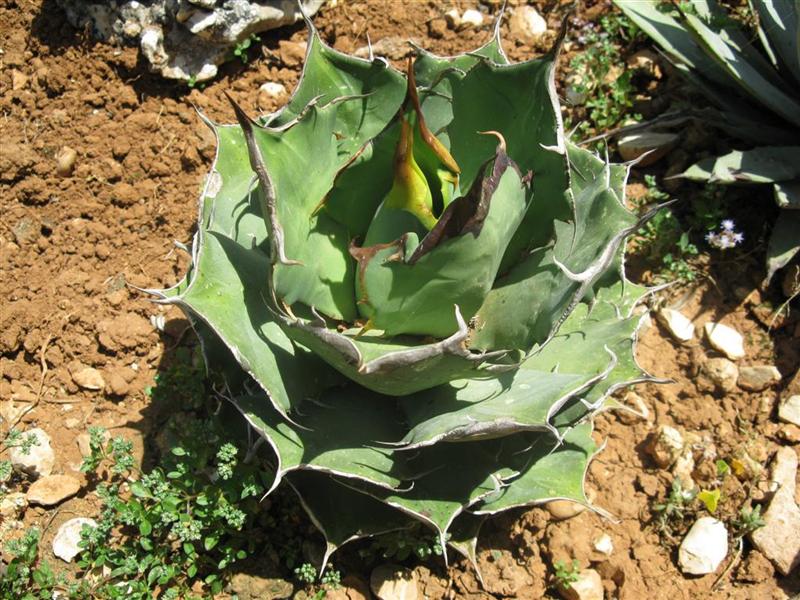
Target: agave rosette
[{"x": 413, "y": 286}]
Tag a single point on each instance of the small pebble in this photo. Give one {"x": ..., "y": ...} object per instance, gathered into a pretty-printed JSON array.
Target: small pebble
[
  {"x": 273, "y": 89},
  {"x": 40, "y": 458},
  {"x": 665, "y": 446},
  {"x": 758, "y": 378},
  {"x": 704, "y": 547},
  {"x": 722, "y": 373},
  {"x": 65, "y": 544},
  {"x": 725, "y": 339},
  {"x": 52, "y": 490},
  {"x": 393, "y": 582},
  {"x": 471, "y": 18},
  {"x": 65, "y": 161},
  {"x": 604, "y": 545},
  {"x": 588, "y": 586},
  {"x": 679, "y": 326},
  {"x": 89, "y": 378},
  {"x": 789, "y": 410},
  {"x": 527, "y": 23},
  {"x": 453, "y": 18},
  {"x": 12, "y": 505}
]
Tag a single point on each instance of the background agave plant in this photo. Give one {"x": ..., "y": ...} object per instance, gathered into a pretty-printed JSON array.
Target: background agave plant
[
  {"x": 756, "y": 90},
  {"x": 413, "y": 288}
]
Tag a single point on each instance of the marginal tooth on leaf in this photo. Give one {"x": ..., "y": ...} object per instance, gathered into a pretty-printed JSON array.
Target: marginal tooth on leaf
[
  {"x": 501, "y": 143},
  {"x": 268, "y": 205},
  {"x": 300, "y": 116}
]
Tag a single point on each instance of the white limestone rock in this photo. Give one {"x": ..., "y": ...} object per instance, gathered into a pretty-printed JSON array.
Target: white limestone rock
[
  {"x": 678, "y": 325},
  {"x": 588, "y": 586},
  {"x": 758, "y": 377},
  {"x": 725, "y": 339},
  {"x": 65, "y": 544},
  {"x": 393, "y": 582},
  {"x": 471, "y": 18},
  {"x": 779, "y": 539},
  {"x": 89, "y": 378},
  {"x": 665, "y": 446},
  {"x": 40, "y": 458},
  {"x": 704, "y": 547},
  {"x": 718, "y": 373},
  {"x": 604, "y": 545},
  {"x": 183, "y": 40},
  {"x": 789, "y": 410},
  {"x": 527, "y": 23},
  {"x": 52, "y": 490}
]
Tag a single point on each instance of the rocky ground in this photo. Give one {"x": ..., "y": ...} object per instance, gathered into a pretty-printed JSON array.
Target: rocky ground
[{"x": 100, "y": 165}]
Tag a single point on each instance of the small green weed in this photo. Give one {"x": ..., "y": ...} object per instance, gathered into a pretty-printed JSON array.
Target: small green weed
[
  {"x": 748, "y": 520},
  {"x": 176, "y": 530},
  {"x": 13, "y": 439},
  {"x": 180, "y": 524},
  {"x": 671, "y": 513},
  {"x": 710, "y": 499},
  {"x": 330, "y": 580},
  {"x": 565, "y": 575},
  {"x": 400, "y": 545},
  {"x": 609, "y": 94},
  {"x": 241, "y": 49},
  {"x": 29, "y": 578},
  {"x": 663, "y": 241}
]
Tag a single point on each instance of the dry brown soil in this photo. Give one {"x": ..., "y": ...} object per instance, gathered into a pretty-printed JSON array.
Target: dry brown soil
[{"x": 74, "y": 249}]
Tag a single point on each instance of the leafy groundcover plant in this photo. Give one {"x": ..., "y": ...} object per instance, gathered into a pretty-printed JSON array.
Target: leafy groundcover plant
[{"x": 413, "y": 287}]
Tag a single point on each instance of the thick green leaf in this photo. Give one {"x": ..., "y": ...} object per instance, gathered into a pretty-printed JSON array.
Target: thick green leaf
[
  {"x": 784, "y": 243},
  {"x": 748, "y": 76},
  {"x": 527, "y": 305},
  {"x": 447, "y": 478},
  {"x": 732, "y": 34},
  {"x": 214, "y": 292},
  {"x": 226, "y": 293},
  {"x": 323, "y": 498},
  {"x": 589, "y": 357},
  {"x": 229, "y": 289},
  {"x": 336, "y": 435},
  {"x": 397, "y": 366},
  {"x": 518, "y": 100},
  {"x": 399, "y": 296},
  {"x": 547, "y": 473},
  {"x": 436, "y": 75},
  {"x": 464, "y": 538},
  {"x": 358, "y": 189},
  {"x": 673, "y": 37},
  {"x": 767, "y": 164},
  {"x": 328, "y": 75},
  {"x": 778, "y": 19},
  {"x": 324, "y": 278}
]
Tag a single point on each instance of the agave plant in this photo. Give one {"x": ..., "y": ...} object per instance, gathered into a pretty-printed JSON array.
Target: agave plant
[
  {"x": 413, "y": 287},
  {"x": 757, "y": 93}
]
